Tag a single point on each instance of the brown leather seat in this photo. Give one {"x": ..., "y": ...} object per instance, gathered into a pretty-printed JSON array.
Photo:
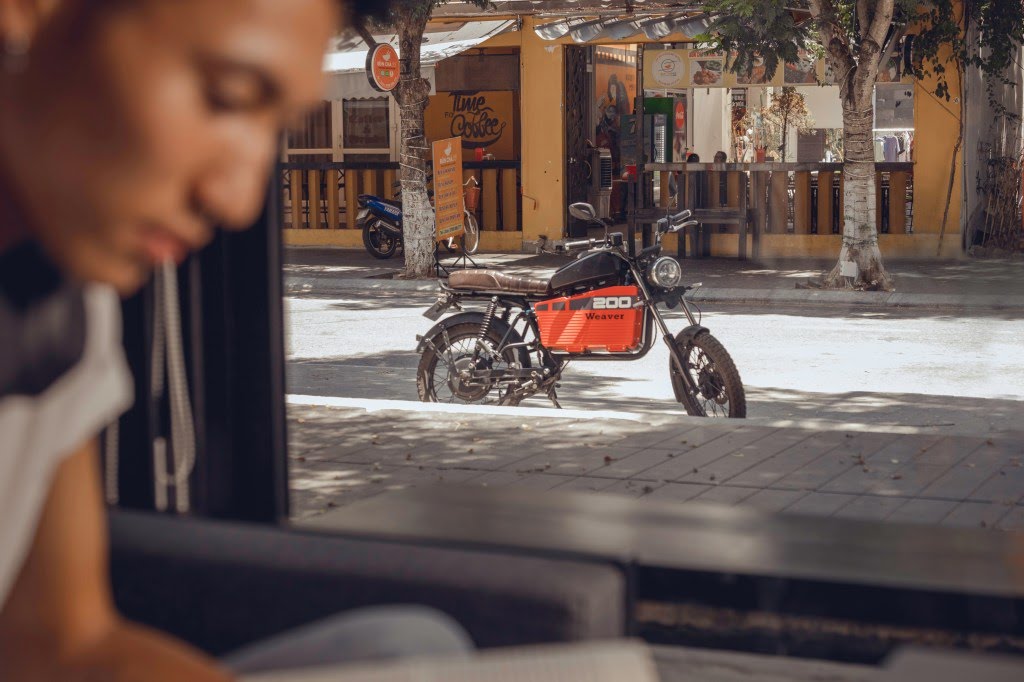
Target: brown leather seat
[{"x": 493, "y": 280}]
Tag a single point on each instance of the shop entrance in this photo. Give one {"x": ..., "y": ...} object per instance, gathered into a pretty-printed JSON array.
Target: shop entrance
[{"x": 577, "y": 166}]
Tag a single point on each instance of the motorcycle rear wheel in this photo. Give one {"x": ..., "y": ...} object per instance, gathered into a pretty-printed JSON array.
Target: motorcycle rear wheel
[
  {"x": 719, "y": 387},
  {"x": 437, "y": 377},
  {"x": 379, "y": 242}
]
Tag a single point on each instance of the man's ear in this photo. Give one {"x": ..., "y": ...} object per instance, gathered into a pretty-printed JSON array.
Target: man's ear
[{"x": 20, "y": 21}]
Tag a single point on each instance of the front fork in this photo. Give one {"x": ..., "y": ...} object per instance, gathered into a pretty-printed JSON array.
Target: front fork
[{"x": 670, "y": 340}]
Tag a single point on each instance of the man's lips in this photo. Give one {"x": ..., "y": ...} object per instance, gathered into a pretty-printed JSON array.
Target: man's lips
[{"x": 160, "y": 245}]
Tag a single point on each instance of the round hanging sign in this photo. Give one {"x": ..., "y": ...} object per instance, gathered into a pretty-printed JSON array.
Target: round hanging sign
[{"x": 382, "y": 67}]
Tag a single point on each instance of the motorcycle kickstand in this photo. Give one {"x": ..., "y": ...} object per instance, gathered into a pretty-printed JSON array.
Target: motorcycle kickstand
[{"x": 553, "y": 397}]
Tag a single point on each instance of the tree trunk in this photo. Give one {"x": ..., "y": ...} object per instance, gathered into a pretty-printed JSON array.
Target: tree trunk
[
  {"x": 411, "y": 94},
  {"x": 860, "y": 261}
]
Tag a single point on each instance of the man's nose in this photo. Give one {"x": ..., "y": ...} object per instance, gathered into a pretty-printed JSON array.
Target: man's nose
[{"x": 231, "y": 189}]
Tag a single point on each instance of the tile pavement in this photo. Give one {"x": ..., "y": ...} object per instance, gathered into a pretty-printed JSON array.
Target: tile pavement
[{"x": 341, "y": 455}]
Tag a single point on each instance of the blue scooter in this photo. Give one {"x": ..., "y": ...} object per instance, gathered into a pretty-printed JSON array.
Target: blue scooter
[{"x": 381, "y": 220}]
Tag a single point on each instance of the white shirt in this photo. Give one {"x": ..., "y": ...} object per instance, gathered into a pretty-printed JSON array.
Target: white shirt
[{"x": 38, "y": 432}]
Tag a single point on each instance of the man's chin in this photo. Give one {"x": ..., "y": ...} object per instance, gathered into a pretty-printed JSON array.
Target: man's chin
[{"x": 127, "y": 280}]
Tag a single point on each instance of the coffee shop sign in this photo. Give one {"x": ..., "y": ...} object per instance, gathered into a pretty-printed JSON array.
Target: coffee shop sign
[{"x": 474, "y": 120}]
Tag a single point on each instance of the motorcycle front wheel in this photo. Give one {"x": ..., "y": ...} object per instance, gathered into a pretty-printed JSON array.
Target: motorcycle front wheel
[
  {"x": 379, "y": 242},
  {"x": 438, "y": 377},
  {"x": 719, "y": 388}
]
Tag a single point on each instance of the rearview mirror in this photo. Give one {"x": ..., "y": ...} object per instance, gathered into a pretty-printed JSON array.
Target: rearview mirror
[{"x": 583, "y": 211}]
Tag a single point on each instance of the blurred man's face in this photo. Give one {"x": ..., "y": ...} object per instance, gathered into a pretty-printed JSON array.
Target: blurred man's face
[{"x": 139, "y": 125}]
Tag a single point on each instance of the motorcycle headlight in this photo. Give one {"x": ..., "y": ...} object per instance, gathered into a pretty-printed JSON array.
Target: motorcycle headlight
[{"x": 665, "y": 273}]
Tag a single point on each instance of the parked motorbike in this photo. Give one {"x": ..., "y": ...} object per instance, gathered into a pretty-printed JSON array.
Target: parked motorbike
[
  {"x": 601, "y": 306},
  {"x": 381, "y": 221}
]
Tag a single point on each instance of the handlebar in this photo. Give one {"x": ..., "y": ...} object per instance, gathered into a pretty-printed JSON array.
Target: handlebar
[
  {"x": 579, "y": 244},
  {"x": 672, "y": 223}
]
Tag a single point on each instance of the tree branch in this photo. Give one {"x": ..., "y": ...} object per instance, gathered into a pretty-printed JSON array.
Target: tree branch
[
  {"x": 833, "y": 39},
  {"x": 863, "y": 19},
  {"x": 364, "y": 33},
  {"x": 891, "y": 46},
  {"x": 881, "y": 22}
]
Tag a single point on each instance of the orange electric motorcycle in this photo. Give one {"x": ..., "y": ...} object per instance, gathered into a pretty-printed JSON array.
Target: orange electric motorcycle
[{"x": 601, "y": 306}]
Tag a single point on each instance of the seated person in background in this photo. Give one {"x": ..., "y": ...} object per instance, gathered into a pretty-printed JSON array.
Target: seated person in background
[
  {"x": 720, "y": 157},
  {"x": 128, "y": 130}
]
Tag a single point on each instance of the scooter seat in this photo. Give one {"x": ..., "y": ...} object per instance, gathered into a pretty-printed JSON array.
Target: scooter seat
[{"x": 493, "y": 280}]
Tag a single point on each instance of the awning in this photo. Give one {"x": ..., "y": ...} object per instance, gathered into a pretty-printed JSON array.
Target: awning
[
  {"x": 623, "y": 26},
  {"x": 346, "y": 65}
]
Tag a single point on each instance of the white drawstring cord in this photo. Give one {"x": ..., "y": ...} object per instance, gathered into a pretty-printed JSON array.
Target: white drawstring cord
[{"x": 168, "y": 351}]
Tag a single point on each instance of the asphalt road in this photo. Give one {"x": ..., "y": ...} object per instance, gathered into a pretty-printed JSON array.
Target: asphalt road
[{"x": 921, "y": 369}]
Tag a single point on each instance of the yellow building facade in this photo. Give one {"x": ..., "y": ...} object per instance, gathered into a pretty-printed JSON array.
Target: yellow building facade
[{"x": 533, "y": 205}]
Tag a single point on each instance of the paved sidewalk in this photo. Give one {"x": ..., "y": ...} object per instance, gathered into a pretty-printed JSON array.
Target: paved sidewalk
[
  {"x": 993, "y": 284},
  {"x": 340, "y": 455}
]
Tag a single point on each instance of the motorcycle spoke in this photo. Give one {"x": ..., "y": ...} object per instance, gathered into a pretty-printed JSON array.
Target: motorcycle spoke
[
  {"x": 459, "y": 355},
  {"x": 710, "y": 393}
]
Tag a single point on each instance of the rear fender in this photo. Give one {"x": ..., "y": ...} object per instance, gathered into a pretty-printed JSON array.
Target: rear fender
[{"x": 470, "y": 317}]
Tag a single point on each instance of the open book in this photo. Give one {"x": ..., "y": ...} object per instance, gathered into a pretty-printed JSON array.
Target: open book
[{"x": 610, "y": 661}]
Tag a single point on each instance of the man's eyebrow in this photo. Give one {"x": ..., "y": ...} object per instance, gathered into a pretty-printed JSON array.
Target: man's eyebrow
[{"x": 271, "y": 89}]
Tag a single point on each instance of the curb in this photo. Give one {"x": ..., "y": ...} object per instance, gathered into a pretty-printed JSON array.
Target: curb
[
  {"x": 666, "y": 421},
  {"x": 732, "y": 296},
  {"x": 877, "y": 299}
]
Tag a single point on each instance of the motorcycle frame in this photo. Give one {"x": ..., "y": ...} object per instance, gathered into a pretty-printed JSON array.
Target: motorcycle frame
[{"x": 652, "y": 318}]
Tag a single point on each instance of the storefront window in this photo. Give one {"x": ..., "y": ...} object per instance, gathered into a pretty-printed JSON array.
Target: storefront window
[
  {"x": 894, "y": 122},
  {"x": 315, "y": 130},
  {"x": 614, "y": 94},
  {"x": 366, "y": 123}
]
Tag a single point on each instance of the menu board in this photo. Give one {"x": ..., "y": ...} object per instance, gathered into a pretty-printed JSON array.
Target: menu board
[
  {"x": 448, "y": 201},
  {"x": 698, "y": 68}
]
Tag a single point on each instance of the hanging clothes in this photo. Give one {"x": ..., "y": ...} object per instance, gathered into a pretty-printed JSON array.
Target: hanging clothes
[{"x": 890, "y": 149}]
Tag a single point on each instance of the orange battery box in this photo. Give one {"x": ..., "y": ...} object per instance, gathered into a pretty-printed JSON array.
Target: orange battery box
[{"x": 600, "y": 320}]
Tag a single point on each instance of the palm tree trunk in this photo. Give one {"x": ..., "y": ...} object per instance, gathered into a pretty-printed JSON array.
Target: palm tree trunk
[{"x": 411, "y": 94}]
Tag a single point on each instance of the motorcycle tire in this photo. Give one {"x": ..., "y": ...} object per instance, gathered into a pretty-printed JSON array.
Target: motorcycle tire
[
  {"x": 447, "y": 387},
  {"x": 378, "y": 242},
  {"x": 719, "y": 388}
]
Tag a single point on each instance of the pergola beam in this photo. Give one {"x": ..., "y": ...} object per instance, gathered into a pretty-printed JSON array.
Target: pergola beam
[{"x": 556, "y": 8}]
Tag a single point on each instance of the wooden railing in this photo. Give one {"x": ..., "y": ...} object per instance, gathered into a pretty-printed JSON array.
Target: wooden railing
[
  {"x": 322, "y": 196},
  {"x": 801, "y": 198}
]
